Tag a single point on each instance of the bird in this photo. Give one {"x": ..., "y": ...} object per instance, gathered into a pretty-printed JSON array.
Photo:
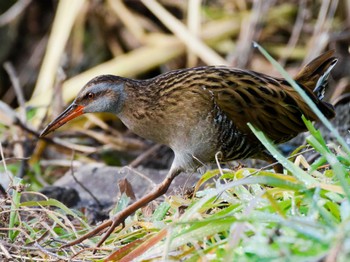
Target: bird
[{"x": 202, "y": 113}]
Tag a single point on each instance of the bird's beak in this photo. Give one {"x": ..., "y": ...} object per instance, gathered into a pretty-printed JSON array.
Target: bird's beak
[{"x": 70, "y": 113}]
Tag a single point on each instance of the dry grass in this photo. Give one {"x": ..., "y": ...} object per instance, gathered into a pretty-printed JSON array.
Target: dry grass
[{"x": 248, "y": 214}]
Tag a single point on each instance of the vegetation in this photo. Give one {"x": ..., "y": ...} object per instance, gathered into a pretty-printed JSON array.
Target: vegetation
[{"x": 246, "y": 214}]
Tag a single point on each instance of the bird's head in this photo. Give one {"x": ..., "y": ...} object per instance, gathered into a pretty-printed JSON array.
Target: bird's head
[{"x": 102, "y": 94}]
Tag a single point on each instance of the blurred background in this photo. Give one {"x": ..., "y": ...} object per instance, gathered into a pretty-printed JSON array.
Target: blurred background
[{"x": 50, "y": 49}]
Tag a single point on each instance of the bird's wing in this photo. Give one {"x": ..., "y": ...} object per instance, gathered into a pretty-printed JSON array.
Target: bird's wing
[{"x": 269, "y": 104}]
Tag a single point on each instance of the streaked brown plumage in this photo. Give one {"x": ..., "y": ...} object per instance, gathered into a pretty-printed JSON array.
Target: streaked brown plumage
[{"x": 201, "y": 111}]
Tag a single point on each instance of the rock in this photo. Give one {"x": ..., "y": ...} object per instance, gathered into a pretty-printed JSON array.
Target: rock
[
  {"x": 102, "y": 182},
  {"x": 66, "y": 195}
]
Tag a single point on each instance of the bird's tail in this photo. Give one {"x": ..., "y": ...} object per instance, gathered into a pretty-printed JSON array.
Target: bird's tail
[{"x": 314, "y": 76}]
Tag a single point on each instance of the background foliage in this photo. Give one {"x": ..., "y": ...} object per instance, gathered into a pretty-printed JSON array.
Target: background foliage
[{"x": 50, "y": 49}]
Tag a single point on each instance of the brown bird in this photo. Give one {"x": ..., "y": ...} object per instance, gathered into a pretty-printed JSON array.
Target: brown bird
[{"x": 200, "y": 111}]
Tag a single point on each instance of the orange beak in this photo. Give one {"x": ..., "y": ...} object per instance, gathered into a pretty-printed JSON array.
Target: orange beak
[{"x": 70, "y": 113}]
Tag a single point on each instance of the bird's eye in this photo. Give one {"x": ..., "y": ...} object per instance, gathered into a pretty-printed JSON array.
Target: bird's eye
[{"x": 90, "y": 95}]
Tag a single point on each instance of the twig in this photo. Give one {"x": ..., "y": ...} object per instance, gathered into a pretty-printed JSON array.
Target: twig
[
  {"x": 25, "y": 247},
  {"x": 128, "y": 19},
  {"x": 320, "y": 36},
  {"x": 14, "y": 120},
  {"x": 3, "y": 158},
  {"x": 218, "y": 155},
  {"x": 197, "y": 46},
  {"x": 5, "y": 252},
  {"x": 12, "y": 159},
  {"x": 139, "y": 174},
  {"x": 48, "y": 252},
  {"x": 149, "y": 152},
  {"x": 297, "y": 28},
  {"x": 21, "y": 149},
  {"x": 82, "y": 185},
  {"x": 16, "y": 86},
  {"x": 60, "y": 162},
  {"x": 13, "y": 12},
  {"x": 250, "y": 31},
  {"x": 194, "y": 24},
  {"x": 88, "y": 249},
  {"x": 55, "y": 141}
]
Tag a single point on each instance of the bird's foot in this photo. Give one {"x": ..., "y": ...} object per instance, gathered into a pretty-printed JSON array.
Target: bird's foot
[{"x": 119, "y": 218}]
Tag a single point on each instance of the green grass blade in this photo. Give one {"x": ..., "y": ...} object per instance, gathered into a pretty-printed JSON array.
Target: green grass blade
[
  {"x": 16, "y": 197},
  {"x": 262, "y": 180},
  {"x": 201, "y": 229},
  {"x": 300, "y": 174},
  {"x": 122, "y": 203},
  {"x": 317, "y": 142},
  {"x": 55, "y": 203},
  {"x": 160, "y": 212}
]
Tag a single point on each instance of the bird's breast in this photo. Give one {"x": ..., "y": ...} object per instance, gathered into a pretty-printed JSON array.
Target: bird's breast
[{"x": 190, "y": 122}]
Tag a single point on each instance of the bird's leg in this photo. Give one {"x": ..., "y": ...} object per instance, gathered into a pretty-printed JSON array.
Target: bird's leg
[
  {"x": 278, "y": 168},
  {"x": 266, "y": 156},
  {"x": 122, "y": 215}
]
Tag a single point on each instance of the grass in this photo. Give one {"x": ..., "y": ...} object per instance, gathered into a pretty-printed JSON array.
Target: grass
[{"x": 247, "y": 215}]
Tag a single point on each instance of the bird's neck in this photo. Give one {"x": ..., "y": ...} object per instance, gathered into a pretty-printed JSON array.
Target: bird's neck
[{"x": 141, "y": 111}]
